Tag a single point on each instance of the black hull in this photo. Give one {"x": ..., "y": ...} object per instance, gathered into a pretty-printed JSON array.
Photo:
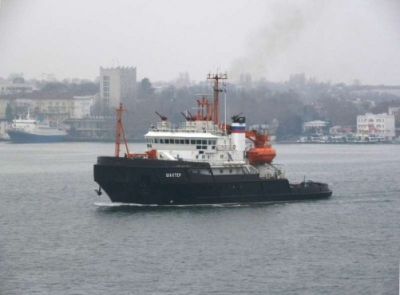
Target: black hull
[{"x": 144, "y": 181}]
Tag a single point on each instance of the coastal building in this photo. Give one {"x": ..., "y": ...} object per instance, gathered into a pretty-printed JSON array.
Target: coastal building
[
  {"x": 82, "y": 106},
  {"x": 340, "y": 130},
  {"x": 117, "y": 85},
  {"x": 395, "y": 111},
  {"x": 376, "y": 125},
  {"x": 91, "y": 129},
  {"x": 17, "y": 86},
  {"x": 53, "y": 109},
  {"x": 316, "y": 127}
]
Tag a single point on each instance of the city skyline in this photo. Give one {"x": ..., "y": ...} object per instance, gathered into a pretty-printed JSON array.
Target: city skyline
[{"x": 338, "y": 42}]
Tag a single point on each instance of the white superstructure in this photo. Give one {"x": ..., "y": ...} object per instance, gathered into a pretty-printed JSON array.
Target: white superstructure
[
  {"x": 195, "y": 141},
  {"x": 32, "y": 126}
]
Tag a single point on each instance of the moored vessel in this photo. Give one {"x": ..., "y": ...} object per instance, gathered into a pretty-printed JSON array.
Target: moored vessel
[
  {"x": 27, "y": 130},
  {"x": 204, "y": 161}
]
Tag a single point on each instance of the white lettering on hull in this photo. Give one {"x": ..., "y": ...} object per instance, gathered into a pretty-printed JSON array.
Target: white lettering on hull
[{"x": 174, "y": 174}]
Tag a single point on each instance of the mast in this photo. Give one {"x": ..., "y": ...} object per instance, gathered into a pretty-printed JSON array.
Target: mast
[
  {"x": 225, "y": 111},
  {"x": 216, "y": 77},
  {"x": 120, "y": 132}
]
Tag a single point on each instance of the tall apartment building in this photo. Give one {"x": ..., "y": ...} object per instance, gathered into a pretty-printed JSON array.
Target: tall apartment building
[
  {"x": 117, "y": 85},
  {"x": 380, "y": 125}
]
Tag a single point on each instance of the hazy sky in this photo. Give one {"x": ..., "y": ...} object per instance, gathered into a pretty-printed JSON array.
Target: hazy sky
[{"x": 330, "y": 40}]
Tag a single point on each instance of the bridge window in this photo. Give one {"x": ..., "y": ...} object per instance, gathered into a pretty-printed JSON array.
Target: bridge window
[
  {"x": 192, "y": 141},
  {"x": 186, "y": 141},
  {"x": 167, "y": 141}
]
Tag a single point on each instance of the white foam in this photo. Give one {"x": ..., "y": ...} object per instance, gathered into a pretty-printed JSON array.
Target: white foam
[
  {"x": 108, "y": 204},
  {"x": 225, "y": 205}
]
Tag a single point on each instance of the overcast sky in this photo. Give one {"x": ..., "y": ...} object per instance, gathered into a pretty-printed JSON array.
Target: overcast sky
[{"x": 336, "y": 41}]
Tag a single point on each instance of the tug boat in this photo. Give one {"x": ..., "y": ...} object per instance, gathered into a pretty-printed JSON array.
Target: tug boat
[{"x": 203, "y": 161}]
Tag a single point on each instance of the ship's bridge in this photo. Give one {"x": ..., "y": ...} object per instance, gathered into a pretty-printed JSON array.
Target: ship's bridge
[{"x": 191, "y": 146}]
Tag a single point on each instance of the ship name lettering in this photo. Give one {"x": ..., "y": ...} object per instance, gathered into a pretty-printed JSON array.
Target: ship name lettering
[{"x": 174, "y": 174}]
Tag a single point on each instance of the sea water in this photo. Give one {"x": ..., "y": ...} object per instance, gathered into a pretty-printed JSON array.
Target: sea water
[{"x": 58, "y": 237}]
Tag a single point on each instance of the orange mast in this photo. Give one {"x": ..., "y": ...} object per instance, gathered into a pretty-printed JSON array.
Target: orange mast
[
  {"x": 120, "y": 132},
  {"x": 217, "y": 90}
]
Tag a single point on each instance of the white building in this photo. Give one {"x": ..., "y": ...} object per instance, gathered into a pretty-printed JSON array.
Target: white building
[
  {"x": 82, "y": 106},
  {"x": 376, "y": 125},
  {"x": 317, "y": 126},
  {"x": 117, "y": 85}
]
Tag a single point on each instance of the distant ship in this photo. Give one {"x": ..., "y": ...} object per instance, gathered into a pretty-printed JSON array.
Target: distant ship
[
  {"x": 32, "y": 131},
  {"x": 204, "y": 161}
]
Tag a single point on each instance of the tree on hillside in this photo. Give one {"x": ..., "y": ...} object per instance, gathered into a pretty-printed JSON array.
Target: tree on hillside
[{"x": 145, "y": 88}]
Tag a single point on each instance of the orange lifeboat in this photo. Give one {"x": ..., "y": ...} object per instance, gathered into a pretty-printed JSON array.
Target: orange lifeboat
[
  {"x": 259, "y": 156},
  {"x": 262, "y": 152}
]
